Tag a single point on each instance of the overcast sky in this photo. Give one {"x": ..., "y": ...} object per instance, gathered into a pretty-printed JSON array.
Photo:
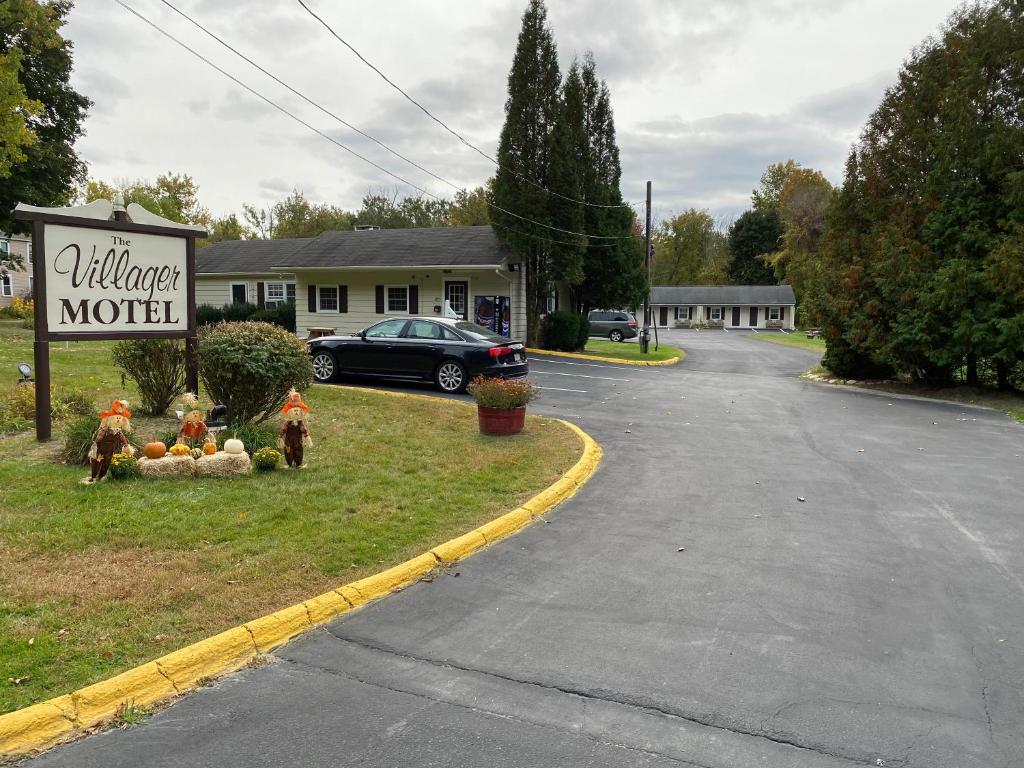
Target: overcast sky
[{"x": 706, "y": 93}]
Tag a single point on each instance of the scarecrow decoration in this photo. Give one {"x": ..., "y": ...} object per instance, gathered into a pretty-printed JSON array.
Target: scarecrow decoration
[
  {"x": 111, "y": 438},
  {"x": 193, "y": 432},
  {"x": 294, "y": 435}
]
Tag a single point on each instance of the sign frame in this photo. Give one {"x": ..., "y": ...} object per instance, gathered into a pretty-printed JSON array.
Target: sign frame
[{"x": 43, "y": 335}]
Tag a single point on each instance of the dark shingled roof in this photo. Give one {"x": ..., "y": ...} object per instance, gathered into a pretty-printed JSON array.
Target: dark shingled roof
[
  {"x": 234, "y": 257},
  {"x": 722, "y": 294},
  {"x": 425, "y": 247}
]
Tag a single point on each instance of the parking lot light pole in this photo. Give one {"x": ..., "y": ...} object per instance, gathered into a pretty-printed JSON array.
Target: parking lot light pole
[{"x": 645, "y": 333}]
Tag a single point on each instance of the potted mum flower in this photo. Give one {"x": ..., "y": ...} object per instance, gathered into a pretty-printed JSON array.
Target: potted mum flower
[{"x": 501, "y": 404}]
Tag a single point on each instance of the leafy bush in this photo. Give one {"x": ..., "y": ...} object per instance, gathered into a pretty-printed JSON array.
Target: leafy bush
[
  {"x": 78, "y": 437},
  {"x": 157, "y": 366},
  {"x": 249, "y": 367},
  {"x": 208, "y": 315},
  {"x": 584, "y": 333},
  {"x": 237, "y": 312},
  {"x": 19, "y": 309},
  {"x": 282, "y": 315},
  {"x": 124, "y": 466},
  {"x": 561, "y": 330},
  {"x": 501, "y": 393},
  {"x": 255, "y": 437},
  {"x": 11, "y": 422},
  {"x": 21, "y": 403},
  {"x": 265, "y": 460}
]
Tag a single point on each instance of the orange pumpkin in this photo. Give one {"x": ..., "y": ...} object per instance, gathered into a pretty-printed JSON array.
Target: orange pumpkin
[
  {"x": 155, "y": 450},
  {"x": 209, "y": 448}
]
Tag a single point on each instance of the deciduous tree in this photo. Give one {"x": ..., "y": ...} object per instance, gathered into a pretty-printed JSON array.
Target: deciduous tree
[{"x": 51, "y": 168}]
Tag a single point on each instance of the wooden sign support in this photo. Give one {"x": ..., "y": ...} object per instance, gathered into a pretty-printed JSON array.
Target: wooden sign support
[{"x": 92, "y": 280}]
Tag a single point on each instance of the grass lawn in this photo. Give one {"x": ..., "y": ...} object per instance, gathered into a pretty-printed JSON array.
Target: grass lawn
[
  {"x": 794, "y": 339},
  {"x": 97, "y": 579},
  {"x": 625, "y": 350}
]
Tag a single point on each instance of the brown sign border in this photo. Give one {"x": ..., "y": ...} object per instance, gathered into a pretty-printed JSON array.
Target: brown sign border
[{"x": 43, "y": 335}]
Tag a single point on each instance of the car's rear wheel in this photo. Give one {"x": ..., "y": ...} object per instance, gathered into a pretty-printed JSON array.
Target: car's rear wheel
[
  {"x": 324, "y": 366},
  {"x": 450, "y": 376},
  {"x": 615, "y": 335}
]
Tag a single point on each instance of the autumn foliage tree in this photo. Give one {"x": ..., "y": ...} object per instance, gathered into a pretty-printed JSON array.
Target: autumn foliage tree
[{"x": 923, "y": 248}]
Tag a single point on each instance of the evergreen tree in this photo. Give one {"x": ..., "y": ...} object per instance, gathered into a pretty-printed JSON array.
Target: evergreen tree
[
  {"x": 938, "y": 195},
  {"x": 51, "y": 168},
  {"x": 524, "y": 156},
  {"x": 569, "y": 160},
  {"x": 614, "y": 274},
  {"x": 752, "y": 237}
]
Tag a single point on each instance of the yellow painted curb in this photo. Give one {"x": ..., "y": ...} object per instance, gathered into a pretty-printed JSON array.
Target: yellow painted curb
[
  {"x": 601, "y": 358},
  {"x": 43, "y": 725}
]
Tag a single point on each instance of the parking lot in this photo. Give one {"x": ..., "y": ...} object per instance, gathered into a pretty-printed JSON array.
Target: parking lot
[{"x": 764, "y": 571}]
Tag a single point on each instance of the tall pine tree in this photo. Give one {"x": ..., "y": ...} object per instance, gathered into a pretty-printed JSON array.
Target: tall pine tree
[
  {"x": 524, "y": 155},
  {"x": 614, "y": 274}
]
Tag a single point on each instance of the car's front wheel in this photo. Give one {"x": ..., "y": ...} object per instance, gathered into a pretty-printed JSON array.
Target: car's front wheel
[
  {"x": 450, "y": 376},
  {"x": 615, "y": 335},
  {"x": 324, "y": 366}
]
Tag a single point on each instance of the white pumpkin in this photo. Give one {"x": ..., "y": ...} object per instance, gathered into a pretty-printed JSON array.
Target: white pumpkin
[{"x": 234, "y": 445}]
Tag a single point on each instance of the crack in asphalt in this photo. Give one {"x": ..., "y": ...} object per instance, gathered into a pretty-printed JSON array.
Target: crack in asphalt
[
  {"x": 631, "y": 702},
  {"x": 431, "y": 700}
]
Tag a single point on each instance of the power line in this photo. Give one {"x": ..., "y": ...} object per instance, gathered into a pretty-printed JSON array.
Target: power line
[
  {"x": 332, "y": 115},
  {"x": 308, "y": 100},
  {"x": 334, "y": 141},
  {"x": 444, "y": 125}
]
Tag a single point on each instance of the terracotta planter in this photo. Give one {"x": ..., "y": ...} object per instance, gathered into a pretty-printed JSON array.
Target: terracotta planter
[{"x": 501, "y": 421}]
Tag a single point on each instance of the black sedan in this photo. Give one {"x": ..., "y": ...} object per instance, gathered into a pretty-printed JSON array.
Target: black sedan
[{"x": 447, "y": 352}]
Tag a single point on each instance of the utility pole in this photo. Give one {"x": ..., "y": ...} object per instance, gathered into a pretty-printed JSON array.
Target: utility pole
[{"x": 645, "y": 334}]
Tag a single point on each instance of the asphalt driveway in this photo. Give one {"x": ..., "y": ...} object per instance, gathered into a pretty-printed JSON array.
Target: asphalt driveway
[{"x": 764, "y": 572}]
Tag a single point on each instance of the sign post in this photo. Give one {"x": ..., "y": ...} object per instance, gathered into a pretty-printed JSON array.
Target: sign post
[{"x": 101, "y": 277}]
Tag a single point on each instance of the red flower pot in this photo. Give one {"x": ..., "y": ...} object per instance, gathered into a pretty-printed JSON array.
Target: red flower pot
[{"x": 501, "y": 421}]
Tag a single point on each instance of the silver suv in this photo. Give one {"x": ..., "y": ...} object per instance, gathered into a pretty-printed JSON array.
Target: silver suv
[{"x": 616, "y": 325}]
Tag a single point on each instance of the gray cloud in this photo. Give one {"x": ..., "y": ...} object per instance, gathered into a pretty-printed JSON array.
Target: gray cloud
[{"x": 705, "y": 94}]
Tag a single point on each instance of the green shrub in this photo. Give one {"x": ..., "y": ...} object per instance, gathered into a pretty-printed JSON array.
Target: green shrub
[
  {"x": 11, "y": 422},
  {"x": 255, "y": 437},
  {"x": 282, "y": 315},
  {"x": 78, "y": 437},
  {"x": 561, "y": 330},
  {"x": 249, "y": 367},
  {"x": 265, "y": 460},
  {"x": 237, "y": 312},
  {"x": 21, "y": 403},
  {"x": 124, "y": 466},
  {"x": 501, "y": 393},
  {"x": 208, "y": 315},
  {"x": 584, "y": 333},
  {"x": 157, "y": 366}
]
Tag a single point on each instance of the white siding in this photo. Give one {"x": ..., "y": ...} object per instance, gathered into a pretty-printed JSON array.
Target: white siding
[
  {"x": 362, "y": 309},
  {"x": 703, "y": 313},
  {"x": 216, "y": 291},
  {"x": 20, "y": 282}
]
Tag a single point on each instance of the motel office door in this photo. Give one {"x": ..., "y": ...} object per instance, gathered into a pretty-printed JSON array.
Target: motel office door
[
  {"x": 753, "y": 317},
  {"x": 457, "y": 293},
  {"x": 735, "y": 316},
  {"x": 664, "y": 316}
]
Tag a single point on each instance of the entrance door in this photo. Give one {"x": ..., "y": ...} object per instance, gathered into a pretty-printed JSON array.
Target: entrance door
[
  {"x": 735, "y": 316},
  {"x": 664, "y": 316},
  {"x": 238, "y": 294},
  {"x": 457, "y": 293},
  {"x": 753, "y": 317}
]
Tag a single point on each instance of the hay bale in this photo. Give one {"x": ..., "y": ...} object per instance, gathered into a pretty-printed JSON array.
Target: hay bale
[
  {"x": 168, "y": 467},
  {"x": 221, "y": 464}
]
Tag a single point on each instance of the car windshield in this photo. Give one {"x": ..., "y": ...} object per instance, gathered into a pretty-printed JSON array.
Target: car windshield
[{"x": 479, "y": 331}]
